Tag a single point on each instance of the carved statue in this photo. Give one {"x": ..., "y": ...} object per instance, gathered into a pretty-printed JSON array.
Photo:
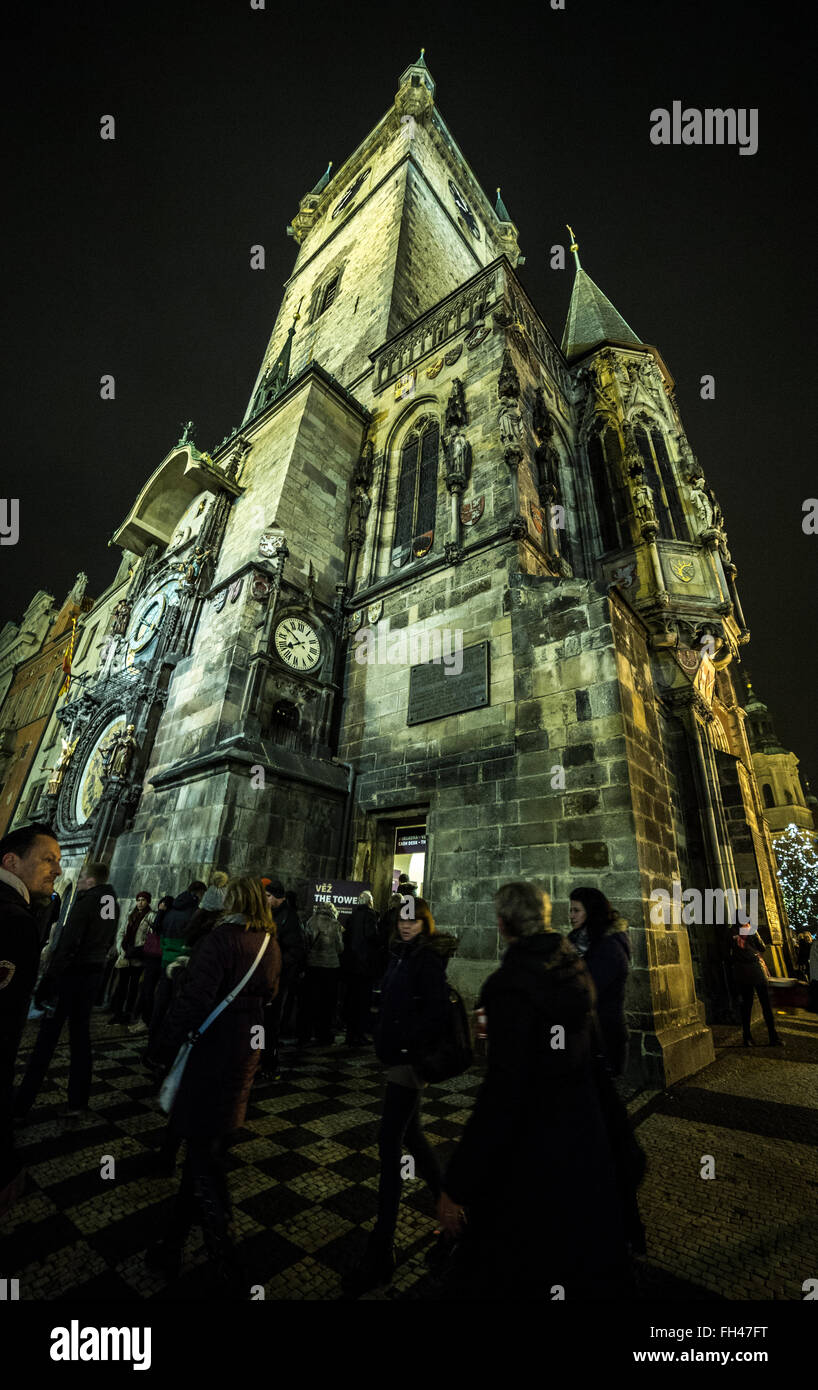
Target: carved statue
[
  {"x": 546, "y": 458},
  {"x": 365, "y": 465},
  {"x": 358, "y": 512},
  {"x": 643, "y": 504},
  {"x": 541, "y": 419},
  {"x": 120, "y": 618},
  {"x": 80, "y": 585},
  {"x": 456, "y": 405},
  {"x": 718, "y": 515},
  {"x": 458, "y": 456},
  {"x": 117, "y": 755},
  {"x": 703, "y": 507},
  {"x": 510, "y": 421},
  {"x": 193, "y": 566},
  {"x": 508, "y": 386},
  {"x": 55, "y": 781}
]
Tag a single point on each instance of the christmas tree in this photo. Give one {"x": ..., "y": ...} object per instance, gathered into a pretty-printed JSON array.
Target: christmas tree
[{"x": 798, "y": 875}]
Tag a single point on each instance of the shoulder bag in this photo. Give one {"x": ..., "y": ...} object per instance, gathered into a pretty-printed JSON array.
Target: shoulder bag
[{"x": 170, "y": 1085}]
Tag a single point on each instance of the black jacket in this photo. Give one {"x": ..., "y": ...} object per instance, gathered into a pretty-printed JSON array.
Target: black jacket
[
  {"x": 19, "y": 960},
  {"x": 360, "y": 942},
  {"x": 87, "y": 935},
  {"x": 534, "y": 1165},
  {"x": 746, "y": 955},
  {"x": 609, "y": 960},
  {"x": 290, "y": 938},
  {"x": 414, "y": 998}
]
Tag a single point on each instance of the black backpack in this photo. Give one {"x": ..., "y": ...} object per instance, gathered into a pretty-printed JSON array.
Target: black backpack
[{"x": 452, "y": 1054}]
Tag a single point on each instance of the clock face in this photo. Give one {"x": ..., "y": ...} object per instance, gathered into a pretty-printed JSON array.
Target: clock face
[
  {"x": 296, "y": 642},
  {"x": 147, "y": 620},
  {"x": 90, "y": 783},
  {"x": 353, "y": 189},
  {"x": 463, "y": 208}
]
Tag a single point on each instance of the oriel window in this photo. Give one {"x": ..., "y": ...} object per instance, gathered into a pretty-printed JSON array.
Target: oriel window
[
  {"x": 659, "y": 475},
  {"x": 417, "y": 484}
]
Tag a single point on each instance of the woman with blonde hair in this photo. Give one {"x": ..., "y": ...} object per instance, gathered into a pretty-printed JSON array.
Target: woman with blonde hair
[{"x": 211, "y": 1101}]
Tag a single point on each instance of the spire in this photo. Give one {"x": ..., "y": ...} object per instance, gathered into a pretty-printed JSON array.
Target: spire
[
  {"x": 418, "y": 75},
  {"x": 574, "y": 246},
  {"x": 592, "y": 318},
  {"x": 322, "y": 182},
  {"x": 500, "y": 209}
]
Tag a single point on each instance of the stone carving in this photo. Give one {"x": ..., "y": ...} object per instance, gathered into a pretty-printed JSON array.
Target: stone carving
[
  {"x": 261, "y": 586},
  {"x": 374, "y": 612},
  {"x": 542, "y": 420},
  {"x": 271, "y": 543},
  {"x": 478, "y": 333},
  {"x": 359, "y": 510},
  {"x": 118, "y": 753},
  {"x": 471, "y": 512},
  {"x": 703, "y": 508},
  {"x": 180, "y": 536},
  {"x": 452, "y": 355},
  {"x": 644, "y": 505},
  {"x": 191, "y": 569},
  {"x": 510, "y": 422},
  {"x": 456, "y": 405},
  {"x": 547, "y": 459},
  {"x": 120, "y": 618},
  {"x": 362, "y": 477},
  {"x": 55, "y": 781},
  {"x": 458, "y": 459},
  {"x": 78, "y": 591},
  {"x": 508, "y": 386}
]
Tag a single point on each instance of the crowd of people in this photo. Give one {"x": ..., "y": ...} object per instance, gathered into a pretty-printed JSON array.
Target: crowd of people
[{"x": 220, "y": 975}]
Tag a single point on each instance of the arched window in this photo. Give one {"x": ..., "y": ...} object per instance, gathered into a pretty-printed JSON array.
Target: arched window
[
  {"x": 767, "y": 793},
  {"x": 604, "y": 451},
  {"x": 788, "y": 795},
  {"x": 284, "y": 722},
  {"x": 659, "y": 476},
  {"x": 416, "y": 504}
]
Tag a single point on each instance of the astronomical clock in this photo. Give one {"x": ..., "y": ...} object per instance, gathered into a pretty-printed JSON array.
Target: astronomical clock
[{"x": 89, "y": 782}]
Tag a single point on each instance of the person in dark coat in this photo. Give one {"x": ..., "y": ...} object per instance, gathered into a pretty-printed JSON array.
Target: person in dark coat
[
  {"x": 129, "y": 974},
  {"x": 29, "y": 867},
  {"x": 70, "y": 984},
  {"x": 534, "y": 1169},
  {"x": 174, "y": 925},
  {"x": 387, "y": 927},
  {"x": 600, "y": 936},
  {"x": 320, "y": 993},
  {"x": 151, "y": 965},
  {"x": 211, "y": 1101},
  {"x": 293, "y": 946},
  {"x": 747, "y": 959},
  {"x": 413, "y": 1018},
  {"x": 357, "y": 967}
]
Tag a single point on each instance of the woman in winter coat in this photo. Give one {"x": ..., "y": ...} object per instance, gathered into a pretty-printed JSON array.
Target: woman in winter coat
[
  {"x": 600, "y": 936},
  {"x": 320, "y": 992},
  {"x": 211, "y": 1101},
  {"x": 151, "y": 944},
  {"x": 129, "y": 943},
  {"x": 535, "y": 1169},
  {"x": 413, "y": 1018},
  {"x": 750, "y": 976}
]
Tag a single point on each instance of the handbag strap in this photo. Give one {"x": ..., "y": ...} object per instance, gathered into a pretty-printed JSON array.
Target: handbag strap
[{"x": 231, "y": 996}]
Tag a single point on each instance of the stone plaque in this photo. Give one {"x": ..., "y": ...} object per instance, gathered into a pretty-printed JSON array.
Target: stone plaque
[{"x": 435, "y": 691}]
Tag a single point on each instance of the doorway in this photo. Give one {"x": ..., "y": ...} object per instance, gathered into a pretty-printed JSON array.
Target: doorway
[{"x": 409, "y": 856}]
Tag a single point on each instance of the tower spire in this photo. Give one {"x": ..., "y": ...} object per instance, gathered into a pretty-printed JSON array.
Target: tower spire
[
  {"x": 500, "y": 209},
  {"x": 592, "y": 318}
]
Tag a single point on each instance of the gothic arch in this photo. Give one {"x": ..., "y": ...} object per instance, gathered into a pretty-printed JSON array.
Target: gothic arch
[
  {"x": 411, "y": 481},
  {"x": 650, "y": 434},
  {"x": 603, "y": 453}
]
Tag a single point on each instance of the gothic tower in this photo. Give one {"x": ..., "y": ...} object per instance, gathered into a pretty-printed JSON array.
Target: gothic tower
[{"x": 449, "y": 577}]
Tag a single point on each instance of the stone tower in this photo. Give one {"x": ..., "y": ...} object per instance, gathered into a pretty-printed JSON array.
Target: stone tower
[{"x": 423, "y": 473}]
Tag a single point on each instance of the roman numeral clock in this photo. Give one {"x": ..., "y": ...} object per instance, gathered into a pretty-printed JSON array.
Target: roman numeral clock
[{"x": 297, "y": 643}]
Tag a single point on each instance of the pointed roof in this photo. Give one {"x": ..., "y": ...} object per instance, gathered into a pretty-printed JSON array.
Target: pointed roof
[
  {"x": 592, "y": 318},
  {"x": 421, "y": 70},
  {"x": 323, "y": 181},
  {"x": 501, "y": 210}
]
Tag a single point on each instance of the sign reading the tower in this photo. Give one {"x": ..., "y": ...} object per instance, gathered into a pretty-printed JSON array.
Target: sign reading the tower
[{"x": 435, "y": 690}]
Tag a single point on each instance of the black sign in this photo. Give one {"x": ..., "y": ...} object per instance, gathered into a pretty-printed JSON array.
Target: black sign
[
  {"x": 435, "y": 690},
  {"x": 410, "y": 842},
  {"x": 343, "y": 893}
]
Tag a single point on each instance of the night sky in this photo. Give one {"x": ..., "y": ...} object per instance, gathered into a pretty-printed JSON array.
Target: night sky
[{"x": 132, "y": 257}]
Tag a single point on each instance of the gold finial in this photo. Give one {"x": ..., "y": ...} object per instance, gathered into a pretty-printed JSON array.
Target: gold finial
[
  {"x": 422, "y": 51},
  {"x": 298, "y": 311},
  {"x": 498, "y": 190},
  {"x": 574, "y": 245}
]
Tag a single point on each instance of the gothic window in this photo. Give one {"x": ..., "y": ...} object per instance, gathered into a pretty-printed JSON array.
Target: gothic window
[
  {"x": 659, "y": 476},
  {"x": 603, "y": 451},
  {"x": 416, "y": 504},
  {"x": 284, "y": 724},
  {"x": 325, "y": 294},
  {"x": 767, "y": 793}
]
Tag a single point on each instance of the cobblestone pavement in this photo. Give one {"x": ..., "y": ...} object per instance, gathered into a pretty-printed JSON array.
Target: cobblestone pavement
[{"x": 303, "y": 1177}]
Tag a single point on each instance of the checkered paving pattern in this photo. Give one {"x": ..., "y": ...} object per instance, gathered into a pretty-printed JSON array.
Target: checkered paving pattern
[{"x": 304, "y": 1174}]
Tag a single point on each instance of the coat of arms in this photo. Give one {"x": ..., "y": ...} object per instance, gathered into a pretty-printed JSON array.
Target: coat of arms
[
  {"x": 471, "y": 512},
  {"x": 452, "y": 355},
  {"x": 477, "y": 335},
  {"x": 374, "y": 612},
  {"x": 688, "y": 658},
  {"x": 220, "y": 600},
  {"x": 269, "y": 543},
  {"x": 538, "y": 517},
  {"x": 354, "y": 620},
  {"x": 422, "y": 544},
  {"x": 405, "y": 386},
  {"x": 624, "y": 575},
  {"x": 400, "y": 555},
  {"x": 235, "y": 589},
  {"x": 435, "y": 368},
  {"x": 683, "y": 569},
  {"x": 261, "y": 586}
]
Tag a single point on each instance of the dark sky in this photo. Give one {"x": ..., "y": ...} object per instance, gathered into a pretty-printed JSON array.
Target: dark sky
[{"x": 132, "y": 257}]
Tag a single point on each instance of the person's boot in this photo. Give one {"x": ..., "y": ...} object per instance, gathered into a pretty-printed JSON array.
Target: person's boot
[
  {"x": 218, "y": 1239},
  {"x": 374, "y": 1269},
  {"x": 748, "y": 1042},
  {"x": 776, "y": 1041}
]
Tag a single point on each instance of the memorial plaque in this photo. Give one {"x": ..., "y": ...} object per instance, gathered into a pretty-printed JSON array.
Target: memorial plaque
[{"x": 435, "y": 690}]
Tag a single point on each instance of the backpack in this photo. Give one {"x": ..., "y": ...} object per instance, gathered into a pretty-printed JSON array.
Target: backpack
[{"x": 452, "y": 1054}]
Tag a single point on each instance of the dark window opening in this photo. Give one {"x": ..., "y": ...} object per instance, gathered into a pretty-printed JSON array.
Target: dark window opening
[
  {"x": 284, "y": 724},
  {"x": 330, "y": 291},
  {"x": 416, "y": 506},
  {"x": 601, "y": 481},
  {"x": 767, "y": 792}
]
